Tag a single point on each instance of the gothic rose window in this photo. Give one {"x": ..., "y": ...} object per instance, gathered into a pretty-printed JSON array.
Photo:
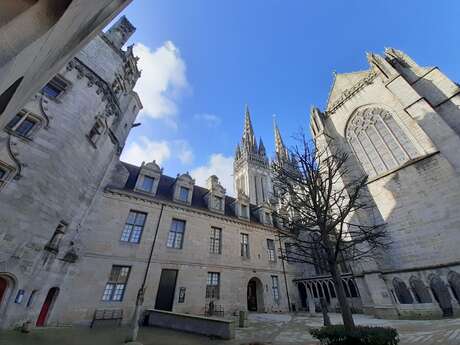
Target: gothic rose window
[{"x": 378, "y": 141}]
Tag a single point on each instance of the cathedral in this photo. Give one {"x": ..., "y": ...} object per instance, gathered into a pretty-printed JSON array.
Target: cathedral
[{"x": 82, "y": 231}]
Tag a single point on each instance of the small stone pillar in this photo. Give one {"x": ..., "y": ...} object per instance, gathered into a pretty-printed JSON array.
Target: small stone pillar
[{"x": 242, "y": 319}]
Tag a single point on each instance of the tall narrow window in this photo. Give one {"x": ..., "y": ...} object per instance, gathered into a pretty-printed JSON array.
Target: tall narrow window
[
  {"x": 147, "y": 184},
  {"x": 22, "y": 123},
  {"x": 268, "y": 218},
  {"x": 245, "y": 245},
  {"x": 55, "y": 241},
  {"x": 116, "y": 286},
  {"x": 134, "y": 227},
  {"x": 183, "y": 194},
  {"x": 176, "y": 234},
  {"x": 213, "y": 285},
  {"x": 378, "y": 141},
  {"x": 275, "y": 289},
  {"x": 215, "y": 244},
  {"x": 271, "y": 250},
  {"x": 288, "y": 252}
]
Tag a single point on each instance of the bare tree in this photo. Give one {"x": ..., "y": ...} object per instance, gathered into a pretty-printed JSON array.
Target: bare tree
[{"x": 319, "y": 200}]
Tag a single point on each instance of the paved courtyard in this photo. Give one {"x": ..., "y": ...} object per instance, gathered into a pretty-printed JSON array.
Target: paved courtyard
[{"x": 263, "y": 329}]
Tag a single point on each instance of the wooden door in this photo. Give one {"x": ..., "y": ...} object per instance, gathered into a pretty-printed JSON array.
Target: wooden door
[
  {"x": 252, "y": 295},
  {"x": 47, "y": 305},
  {"x": 166, "y": 290}
]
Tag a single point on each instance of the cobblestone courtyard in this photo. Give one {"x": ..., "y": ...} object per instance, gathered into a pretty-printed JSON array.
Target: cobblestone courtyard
[{"x": 263, "y": 329}]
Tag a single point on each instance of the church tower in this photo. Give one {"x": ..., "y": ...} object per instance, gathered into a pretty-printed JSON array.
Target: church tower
[{"x": 251, "y": 168}]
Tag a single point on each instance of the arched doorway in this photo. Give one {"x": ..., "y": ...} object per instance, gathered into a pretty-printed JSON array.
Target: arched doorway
[
  {"x": 47, "y": 306},
  {"x": 441, "y": 294},
  {"x": 255, "y": 295},
  {"x": 3, "y": 288}
]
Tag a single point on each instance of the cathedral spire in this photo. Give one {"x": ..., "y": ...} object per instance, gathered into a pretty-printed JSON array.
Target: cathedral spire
[
  {"x": 249, "y": 140},
  {"x": 280, "y": 149}
]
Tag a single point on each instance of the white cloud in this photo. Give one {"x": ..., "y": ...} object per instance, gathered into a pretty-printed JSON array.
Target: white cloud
[
  {"x": 146, "y": 150},
  {"x": 184, "y": 151},
  {"x": 162, "y": 80},
  {"x": 218, "y": 165},
  {"x": 210, "y": 119}
]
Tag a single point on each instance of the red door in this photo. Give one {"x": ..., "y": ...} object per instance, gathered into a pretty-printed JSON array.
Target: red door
[
  {"x": 3, "y": 286},
  {"x": 50, "y": 297}
]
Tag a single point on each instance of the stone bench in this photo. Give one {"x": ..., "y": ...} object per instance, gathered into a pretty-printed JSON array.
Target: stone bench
[{"x": 209, "y": 326}]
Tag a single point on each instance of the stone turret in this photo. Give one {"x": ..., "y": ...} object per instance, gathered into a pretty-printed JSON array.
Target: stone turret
[{"x": 120, "y": 32}]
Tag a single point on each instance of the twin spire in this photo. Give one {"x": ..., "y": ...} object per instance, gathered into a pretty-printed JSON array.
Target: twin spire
[{"x": 249, "y": 143}]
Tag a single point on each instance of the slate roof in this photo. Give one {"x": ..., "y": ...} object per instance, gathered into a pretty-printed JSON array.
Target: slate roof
[{"x": 166, "y": 189}]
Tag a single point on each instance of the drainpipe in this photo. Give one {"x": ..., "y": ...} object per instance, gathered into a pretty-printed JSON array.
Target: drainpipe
[
  {"x": 285, "y": 279},
  {"x": 141, "y": 291}
]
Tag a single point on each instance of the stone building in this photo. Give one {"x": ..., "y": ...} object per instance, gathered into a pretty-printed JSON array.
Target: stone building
[
  {"x": 54, "y": 162},
  {"x": 37, "y": 38},
  {"x": 400, "y": 123}
]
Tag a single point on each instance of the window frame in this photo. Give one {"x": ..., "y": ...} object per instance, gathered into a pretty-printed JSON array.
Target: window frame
[
  {"x": 59, "y": 83},
  {"x": 215, "y": 239},
  {"x": 141, "y": 185},
  {"x": 116, "y": 285},
  {"x": 24, "y": 115},
  {"x": 5, "y": 176},
  {"x": 271, "y": 251},
  {"x": 184, "y": 188},
  {"x": 173, "y": 234},
  {"x": 212, "y": 288},
  {"x": 244, "y": 244},
  {"x": 275, "y": 289},
  {"x": 245, "y": 214},
  {"x": 133, "y": 235},
  {"x": 218, "y": 202},
  {"x": 96, "y": 132}
]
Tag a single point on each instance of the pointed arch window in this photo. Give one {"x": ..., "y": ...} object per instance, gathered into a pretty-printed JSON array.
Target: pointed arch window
[
  {"x": 402, "y": 292},
  {"x": 378, "y": 141}
]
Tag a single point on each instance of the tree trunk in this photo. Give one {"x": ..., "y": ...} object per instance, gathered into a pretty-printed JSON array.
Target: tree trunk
[{"x": 347, "y": 317}]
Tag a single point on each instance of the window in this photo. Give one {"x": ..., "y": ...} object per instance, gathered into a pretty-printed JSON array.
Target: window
[
  {"x": 116, "y": 286},
  {"x": 378, "y": 141},
  {"x": 176, "y": 234},
  {"x": 215, "y": 244},
  {"x": 53, "y": 244},
  {"x": 213, "y": 285},
  {"x": 421, "y": 293},
  {"x": 275, "y": 289},
  {"x": 245, "y": 245},
  {"x": 271, "y": 250},
  {"x": 268, "y": 218},
  {"x": 96, "y": 131},
  {"x": 3, "y": 175},
  {"x": 288, "y": 252},
  {"x": 55, "y": 87},
  {"x": 218, "y": 202},
  {"x": 134, "y": 226},
  {"x": 31, "y": 298},
  {"x": 244, "y": 211},
  {"x": 22, "y": 123},
  {"x": 183, "y": 194},
  {"x": 147, "y": 184},
  {"x": 402, "y": 292}
]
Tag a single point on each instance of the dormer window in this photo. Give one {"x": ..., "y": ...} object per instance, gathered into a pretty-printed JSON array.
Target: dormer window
[
  {"x": 218, "y": 202},
  {"x": 147, "y": 184},
  {"x": 183, "y": 194},
  {"x": 245, "y": 211},
  {"x": 148, "y": 178},
  {"x": 268, "y": 218},
  {"x": 22, "y": 124}
]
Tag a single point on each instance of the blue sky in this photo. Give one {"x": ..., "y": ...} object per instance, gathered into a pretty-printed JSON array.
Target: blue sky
[{"x": 203, "y": 60}]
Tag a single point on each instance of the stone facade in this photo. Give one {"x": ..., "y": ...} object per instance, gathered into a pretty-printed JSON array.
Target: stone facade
[
  {"x": 52, "y": 172},
  {"x": 400, "y": 124}
]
